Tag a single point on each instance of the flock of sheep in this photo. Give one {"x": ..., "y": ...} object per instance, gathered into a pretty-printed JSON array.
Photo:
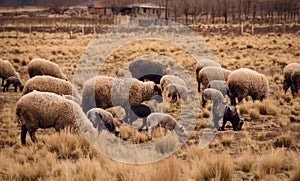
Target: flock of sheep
[{"x": 50, "y": 100}]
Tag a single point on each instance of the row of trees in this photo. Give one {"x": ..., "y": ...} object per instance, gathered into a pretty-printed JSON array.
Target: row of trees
[
  {"x": 204, "y": 11},
  {"x": 226, "y": 11}
]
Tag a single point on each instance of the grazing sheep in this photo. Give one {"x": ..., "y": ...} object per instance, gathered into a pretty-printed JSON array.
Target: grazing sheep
[
  {"x": 45, "y": 110},
  {"x": 246, "y": 82},
  {"x": 170, "y": 79},
  {"x": 45, "y": 67},
  {"x": 221, "y": 110},
  {"x": 212, "y": 94},
  {"x": 205, "y": 63},
  {"x": 15, "y": 81},
  {"x": 295, "y": 79},
  {"x": 163, "y": 120},
  {"x": 7, "y": 70},
  {"x": 47, "y": 83},
  {"x": 175, "y": 92},
  {"x": 139, "y": 111},
  {"x": 105, "y": 92},
  {"x": 102, "y": 119},
  {"x": 219, "y": 85},
  {"x": 210, "y": 73},
  {"x": 287, "y": 72},
  {"x": 147, "y": 70},
  {"x": 231, "y": 115}
]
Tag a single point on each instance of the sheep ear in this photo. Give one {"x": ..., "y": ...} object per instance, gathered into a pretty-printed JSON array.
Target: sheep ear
[{"x": 156, "y": 87}]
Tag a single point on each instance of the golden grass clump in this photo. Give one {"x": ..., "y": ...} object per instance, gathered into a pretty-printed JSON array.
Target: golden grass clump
[
  {"x": 286, "y": 140},
  {"x": 268, "y": 107},
  {"x": 65, "y": 145},
  {"x": 254, "y": 113},
  {"x": 167, "y": 145},
  {"x": 273, "y": 163},
  {"x": 226, "y": 140},
  {"x": 245, "y": 162}
]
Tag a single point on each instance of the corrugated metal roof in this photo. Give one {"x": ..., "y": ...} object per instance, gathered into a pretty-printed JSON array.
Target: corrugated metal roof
[{"x": 145, "y": 5}]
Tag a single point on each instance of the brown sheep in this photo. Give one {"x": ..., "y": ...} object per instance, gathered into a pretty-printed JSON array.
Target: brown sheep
[
  {"x": 15, "y": 81},
  {"x": 210, "y": 73},
  {"x": 45, "y": 110},
  {"x": 246, "y": 82},
  {"x": 287, "y": 72},
  {"x": 45, "y": 67},
  {"x": 105, "y": 92},
  {"x": 7, "y": 70},
  {"x": 295, "y": 79}
]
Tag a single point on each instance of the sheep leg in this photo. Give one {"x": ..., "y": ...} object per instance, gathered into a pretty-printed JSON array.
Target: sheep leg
[
  {"x": 23, "y": 134},
  {"x": 2, "y": 82},
  {"x": 144, "y": 124},
  {"x": 232, "y": 101},
  {"x": 294, "y": 90},
  {"x": 32, "y": 135},
  {"x": 199, "y": 86},
  {"x": 16, "y": 87}
]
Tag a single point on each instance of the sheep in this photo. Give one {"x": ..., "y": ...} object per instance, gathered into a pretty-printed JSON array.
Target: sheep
[
  {"x": 45, "y": 110},
  {"x": 46, "y": 83},
  {"x": 219, "y": 85},
  {"x": 45, "y": 67},
  {"x": 210, "y": 73},
  {"x": 7, "y": 70},
  {"x": 205, "y": 63},
  {"x": 168, "y": 79},
  {"x": 147, "y": 70},
  {"x": 287, "y": 72},
  {"x": 102, "y": 119},
  {"x": 105, "y": 92},
  {"x": 295, "y": 79},
  {"x": 221, "y": 110},
  {"x": 231, "y": 115},
  {"x": 164, "y": 120},
  {"x": 246, "y": 82},
  {"x": 212, "y": 94},
  {"x": 15, "y": 81},
  {"x": 174, "y": 92}
]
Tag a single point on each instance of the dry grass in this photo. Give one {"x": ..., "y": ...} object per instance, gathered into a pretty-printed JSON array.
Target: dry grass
[{"x": 252, "y": 153}]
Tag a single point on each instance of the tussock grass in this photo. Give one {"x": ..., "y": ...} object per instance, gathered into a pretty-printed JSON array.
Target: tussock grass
[
  {"x": 286, "y": 140},
  {"x": 167, "y": 144},
  {"x": 245, "y": 162}
]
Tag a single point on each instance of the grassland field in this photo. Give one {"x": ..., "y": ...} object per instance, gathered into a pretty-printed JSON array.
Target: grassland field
[{"x": 267, "y": 148}]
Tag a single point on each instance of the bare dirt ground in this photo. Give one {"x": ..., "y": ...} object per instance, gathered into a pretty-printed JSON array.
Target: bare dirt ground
[{"x": 267, "y": 148}]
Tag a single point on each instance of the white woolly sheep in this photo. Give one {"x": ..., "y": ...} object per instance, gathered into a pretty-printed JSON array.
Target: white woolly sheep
[
  {"x": 295, "y": 78},
  {"x": 47, "y": 83},
  {"x": 175, "y": 92},
  {"x": 102, "y": 119},
  {"x": 210, "y": 73},
  {"x": 205, "y": 63},
  {"x": 7, "y": 70},
  {"x": 214, "y": 95},
  {"x": 170, "y": 79},
  {"x": 15, "y": 81},
  {"x": 45, "y": 67},
  {"x": 287, "y": 72},
  {"x": 147, "y": 70},
  {"x": 246, "y": 82},
  {"x": 45, "y": 110},
  {"x": 105, "y": 92},
  {"x": 164, "y": 120},
  {"x": 219, "y": 85}
]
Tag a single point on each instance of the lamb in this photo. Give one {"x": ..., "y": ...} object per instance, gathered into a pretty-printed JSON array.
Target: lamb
[
  {"x": 219, "y": 85},
  {"x": 205, "y": 63},
  {"x": 221, "y": 110},
  {"x": 210, "y": 73},
  {"x": 175, "y": 92},
  {"x": 45, "y": 67},
  {"x": 287, "y": 72},
  {"x": 105, "y": 92},
  {"x": 147, "y": 70},
  {"x": 295, "y": 79},
  {"x": 102, "y": 119},
  {"x": 45, "y": 110},
  {"x": 15, "y": 81},
  {"x": 164, "y": 120},
  {"x": 246, "y": 82},
  {"x": 7, "y": 70},
  {"x": 46, "y": 83}
]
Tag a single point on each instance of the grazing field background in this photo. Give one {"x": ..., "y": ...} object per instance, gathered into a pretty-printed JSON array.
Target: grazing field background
[{"x": 267, "y": 148}]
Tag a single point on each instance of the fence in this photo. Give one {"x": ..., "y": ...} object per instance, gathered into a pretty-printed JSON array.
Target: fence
[{"x": 95, "y": 25}]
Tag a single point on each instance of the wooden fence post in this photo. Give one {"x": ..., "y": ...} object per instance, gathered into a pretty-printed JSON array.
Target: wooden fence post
[{"x": 242, "y": 28}]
